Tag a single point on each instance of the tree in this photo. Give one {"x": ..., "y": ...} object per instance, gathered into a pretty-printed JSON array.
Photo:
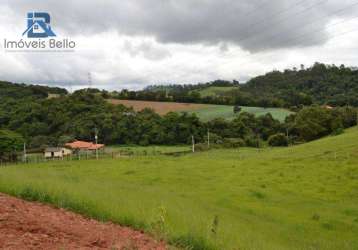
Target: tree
[
  {"x": 278, "y": 140},
  {"x": 315, "y": 122},
  {"x": 10, "y": 144}
]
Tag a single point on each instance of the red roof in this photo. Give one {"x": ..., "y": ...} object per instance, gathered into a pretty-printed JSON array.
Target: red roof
[
  {"x": 84, "y": 145},
  {"x": 96, "y": 146}
]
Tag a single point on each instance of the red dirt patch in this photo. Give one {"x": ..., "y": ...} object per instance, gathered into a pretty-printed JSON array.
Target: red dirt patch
[
  {"x": 31, "y": 225},
  {"x": 161, "y": 108}
]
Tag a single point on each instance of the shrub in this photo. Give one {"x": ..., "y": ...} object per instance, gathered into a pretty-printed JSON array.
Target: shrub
[
  {"x": 316, "y": 217},
  {"x": 278, "y": 140},
  {"x": 233, "y": 143},
  {"x": 215, "y": 139},
  {"x": 253, "y": 142},
  {"x": 201, "y": 147}
]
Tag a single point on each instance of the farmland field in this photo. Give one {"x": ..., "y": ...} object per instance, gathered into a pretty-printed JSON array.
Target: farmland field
[
  {"x": 215, "y": 91},
  {"x": 161, "y": 108},
  {"x": 205, "y": 112},
  {"x": 221, "y": 111},
  {"x": 302, "y": 197}
]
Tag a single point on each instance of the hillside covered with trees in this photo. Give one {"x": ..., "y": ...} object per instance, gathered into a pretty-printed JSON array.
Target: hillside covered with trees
[
  {"x": 22, "y": 91},
  {"x": 52, "y": 122},
  {"x": 320, "y": 84}
]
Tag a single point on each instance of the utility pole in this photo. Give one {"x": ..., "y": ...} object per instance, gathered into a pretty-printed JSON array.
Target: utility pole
[
  {"x": 89, "y": 80},
  {"x": 70, "y": 87},
  {"x": 25, "y": 156},
  {"x": 96, "y": 139},
  {"x": 193, "y": 143},
  {"x": 288, "y": 136},
  {"x": 208, "y": 138}
]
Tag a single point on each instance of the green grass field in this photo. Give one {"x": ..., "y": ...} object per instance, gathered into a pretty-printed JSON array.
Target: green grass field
[
  {"x": 221, "y": 111},
  {"x": 147, "y": 150},
  {"x": 215, "y": 91},
  {"x": 302, "y": 197}
]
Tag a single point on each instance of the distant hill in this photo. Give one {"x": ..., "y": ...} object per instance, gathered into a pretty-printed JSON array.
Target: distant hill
[
  {"x": 20, "y": 91},
  {"x": 320, "y": 84}
]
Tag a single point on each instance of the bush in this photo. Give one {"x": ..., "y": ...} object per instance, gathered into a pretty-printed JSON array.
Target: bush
[
  {"x": 215, "y": 139},
  {"x": 10, "y": 142},
  {"x": 278, "y": 140},
  {"x": 41, "y": 142},
  {"x": 253, "y": 142},
  {"x": 233, "y": 143}
]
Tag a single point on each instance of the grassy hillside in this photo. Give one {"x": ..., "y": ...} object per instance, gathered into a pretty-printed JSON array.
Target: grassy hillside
[
  {"x": 215, "y": 91},
  {"x": 205, "y": 112},
  {"x": 221, "y": 111},
  {"x": 303, "y": 197}
]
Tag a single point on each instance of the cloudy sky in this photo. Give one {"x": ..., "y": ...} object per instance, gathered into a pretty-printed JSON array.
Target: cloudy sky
[{"x": 134, "y": 43}]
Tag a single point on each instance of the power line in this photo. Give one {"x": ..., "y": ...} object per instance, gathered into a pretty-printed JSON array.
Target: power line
[
  {"x": 258, "y": 8},
  {"x": 330, "y": 37},
  {"x": 270, "y": 38},
  {"x": 279, "y": 12},
  {"x": 260, "y": 58},
  {"x": 300, "y": 37},
  {"x": 312, "y": 22},
  {"x": 282, "y": 20}
]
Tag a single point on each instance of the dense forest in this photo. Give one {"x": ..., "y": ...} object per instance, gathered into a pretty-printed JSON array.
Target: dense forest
[
  {"x": 29, "y": 114},
  {"x": 22, "y": 91},
  {"x": 292, "y": 88},
  {"x": 40, "y": 121}
]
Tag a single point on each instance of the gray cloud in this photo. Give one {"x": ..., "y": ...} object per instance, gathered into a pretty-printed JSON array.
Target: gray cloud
[
  {"x": 133, "y": 43},
  {"x": 147, "y": 49},
  {"x": 252, "y": 24}
]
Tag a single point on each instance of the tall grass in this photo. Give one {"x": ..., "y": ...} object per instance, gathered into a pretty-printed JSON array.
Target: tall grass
[{"x": 303, "y": 197}]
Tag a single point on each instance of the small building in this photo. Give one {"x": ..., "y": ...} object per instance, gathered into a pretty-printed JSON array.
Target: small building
[{"x": 57, "y": 152}]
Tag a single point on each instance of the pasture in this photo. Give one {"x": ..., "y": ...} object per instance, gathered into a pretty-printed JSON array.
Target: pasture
[
  {"x": 205, "y": 112},
  {"x": 303, "y": 197},
  {"x": 147, "y": 150},
  {"x": 222, "y": 111},
  {"x": 215, "y": 91}
]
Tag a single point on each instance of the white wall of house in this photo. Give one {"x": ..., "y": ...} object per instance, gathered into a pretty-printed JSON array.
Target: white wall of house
[
  {"x": 66, "y": 151},
  {"x": 58, "y": 154}
]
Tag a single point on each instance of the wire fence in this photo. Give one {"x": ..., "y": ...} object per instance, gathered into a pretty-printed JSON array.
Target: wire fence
[
  {"x": 41, "y": 158},
  {"x": 240, "y": 155}
]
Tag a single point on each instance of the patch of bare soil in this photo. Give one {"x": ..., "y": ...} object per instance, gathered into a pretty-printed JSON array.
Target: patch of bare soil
[{"x": 31, "y": 225}]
